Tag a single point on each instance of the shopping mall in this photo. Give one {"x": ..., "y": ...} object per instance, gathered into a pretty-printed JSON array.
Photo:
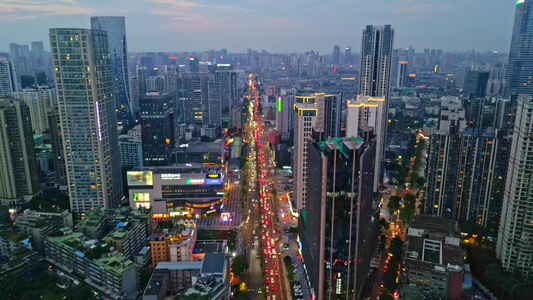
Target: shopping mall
[{"x": 190, "y": 190}]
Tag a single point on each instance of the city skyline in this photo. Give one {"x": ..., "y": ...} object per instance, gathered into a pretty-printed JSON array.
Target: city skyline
[{"x": 234, "y": 25}]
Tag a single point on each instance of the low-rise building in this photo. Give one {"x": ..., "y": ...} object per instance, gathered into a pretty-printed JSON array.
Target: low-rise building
[
  {"x": 16, "y": 255},
  {"x": 21, "y": 263},
  {"x": 213, "y": 131},
  {"x": 433, "y": 258},
  {"x": 40, "y": 223},
  {"x": 11, "y": 241},
  {"x": 143, "y": 257},
  {"x": 173, "y": 244},
  {"x": 131, "y": 151},
  {"x": 97, "y": 223},
  {"x": 128, "y": 238},
  {"x": 191, "y": 279},
  {"x": 94, "y": 262},
  {"x": 201, "y": 248}
]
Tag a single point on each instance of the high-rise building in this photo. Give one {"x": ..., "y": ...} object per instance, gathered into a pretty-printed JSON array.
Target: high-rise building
[
  {"x": 481, "y": 176},
  {"x": 19, "y": 176},
  {"x": 143, "y": 74},
  {"x": 520, "y": 67},
  {"x": 58, "y": 155},
  {"x": 336, "y": 55},
  {"x": 8, "y": 77},
  {"x": 376, "y": 57},
  {"x": 88, "y": 118},
  {"x": 305, "y": 121},
  {"x": 226, "y": 79},
  {"x": 328, "y": 112},
  {"x": 118, "y": 51},
  {"x": 196, "y": 91},
  {"x": 444, "y": 160},
  {"x": 476, "y": 83},
  {"x": 514, "y": 246},
  {"x": 401, "y": 80},
  {"x": 337, "y": 227},
  {"x": 39, "y": 100},
  {"x": 348, "y": 58},
  {"x": 38, "y": 55},
  {"x": 157, "y": 113}
]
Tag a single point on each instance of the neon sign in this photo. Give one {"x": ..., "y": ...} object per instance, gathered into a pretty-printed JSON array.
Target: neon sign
[{"x": 225, "y": 217}]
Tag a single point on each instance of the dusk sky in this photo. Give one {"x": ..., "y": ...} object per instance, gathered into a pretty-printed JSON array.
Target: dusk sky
[{"x": 273, "y": 25}]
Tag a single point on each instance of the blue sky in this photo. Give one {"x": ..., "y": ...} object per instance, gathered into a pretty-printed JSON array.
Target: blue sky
[{"x": 273, "y": 25}]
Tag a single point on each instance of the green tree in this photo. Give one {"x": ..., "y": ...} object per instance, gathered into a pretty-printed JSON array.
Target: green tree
[
  {"x": 144, "y": 276},
  {"x": 79, "y": 292},
  {"x": 239, "y": 265}
]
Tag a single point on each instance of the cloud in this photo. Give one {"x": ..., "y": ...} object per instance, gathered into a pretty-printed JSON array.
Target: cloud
[
  {"x": 418, "y": 7},
  {"x": 11, "y": 10},
  {"x": 183, "y": 4},
  {"x": 15, "y": 17}
]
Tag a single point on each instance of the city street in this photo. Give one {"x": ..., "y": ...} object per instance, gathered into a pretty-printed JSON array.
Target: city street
[
  {"x": 231, "y": 204},
  {"x": 262, "y": 235}
]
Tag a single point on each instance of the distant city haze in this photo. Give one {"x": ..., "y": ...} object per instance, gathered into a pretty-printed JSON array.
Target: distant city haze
[{"x": 273, "y": 25}]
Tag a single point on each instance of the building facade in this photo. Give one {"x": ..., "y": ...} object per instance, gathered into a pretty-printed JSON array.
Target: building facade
[
  {"x": 515, "y": 235},
  {"x": 306, "y": 118},
  {"x": 118, "y": 51},
  {"x": 8, "y": 77},
  {"x": 19, "y": 176},
  {"x": 191, "y": 190},
  {"x": 157, "y": 114},
  {"x": 88, "y": 118},
  {"x": 40, "y": 100},
  {"x": 376, "y": 58},
  {"x": 340, "y": 221},
  {"x": 520, "y": 66}
]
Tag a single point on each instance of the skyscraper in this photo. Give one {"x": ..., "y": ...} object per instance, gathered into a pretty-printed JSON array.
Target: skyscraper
[
  {"x": 19, "y": 176},
  {"x": 515, "y": 234},
  {"x": 118, "y": 50},
  {"x": 305, "y": 121},
  {"x": 39, "y": 100},
  {"x": 84, "y": 86},
  {"x": 520, "y": 67},
  {"x": 476, "y": 83},
  {"x": 336, "y": 55},
  {"x": 348, "y": 58},
  {"x": 337, "y": 227},
  {"x": 157, "y": 113},
  {"x": 444, "y": 160},
  {"x": 8, "y": 77},
  {"x": 376, "y": 57}
]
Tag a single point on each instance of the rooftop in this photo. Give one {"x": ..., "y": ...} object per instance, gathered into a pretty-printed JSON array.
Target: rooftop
[
  {"x": 214, "y": 263},
  {"x": 180, "y": 265},
  {"x": 186, "y": 168},
  {"x": 156, "y": 282},
  {"x": 433, "y": 244},
  {"x": 208, "y": 246},
  {"x": 116, "y": 264}
]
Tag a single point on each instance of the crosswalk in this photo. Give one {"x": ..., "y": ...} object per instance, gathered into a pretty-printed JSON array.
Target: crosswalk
[{"x": 232, "y": 205}]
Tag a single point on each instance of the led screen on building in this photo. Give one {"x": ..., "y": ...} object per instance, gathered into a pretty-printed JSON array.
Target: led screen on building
[
  {"x": 140, "y": 178},
  {"x": 141, "y": 197}
]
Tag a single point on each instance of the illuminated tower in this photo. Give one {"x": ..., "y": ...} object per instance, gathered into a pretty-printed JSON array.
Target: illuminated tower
[
  {"x": 374, "y": 82},
  {"x": 518, "y": 76},
  {"x": 118, "y": 50},
  {"x": 84, "y": 86}
]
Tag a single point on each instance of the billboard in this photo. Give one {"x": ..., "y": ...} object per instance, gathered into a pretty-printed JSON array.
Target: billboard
[
  {"x": 211, "y": 176},
  {"x": 213, "y": 181},
  {"x": 139, "y": 178},
  {"x": 141, "y": 197},
  {"x": 225, "y": 217}
]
